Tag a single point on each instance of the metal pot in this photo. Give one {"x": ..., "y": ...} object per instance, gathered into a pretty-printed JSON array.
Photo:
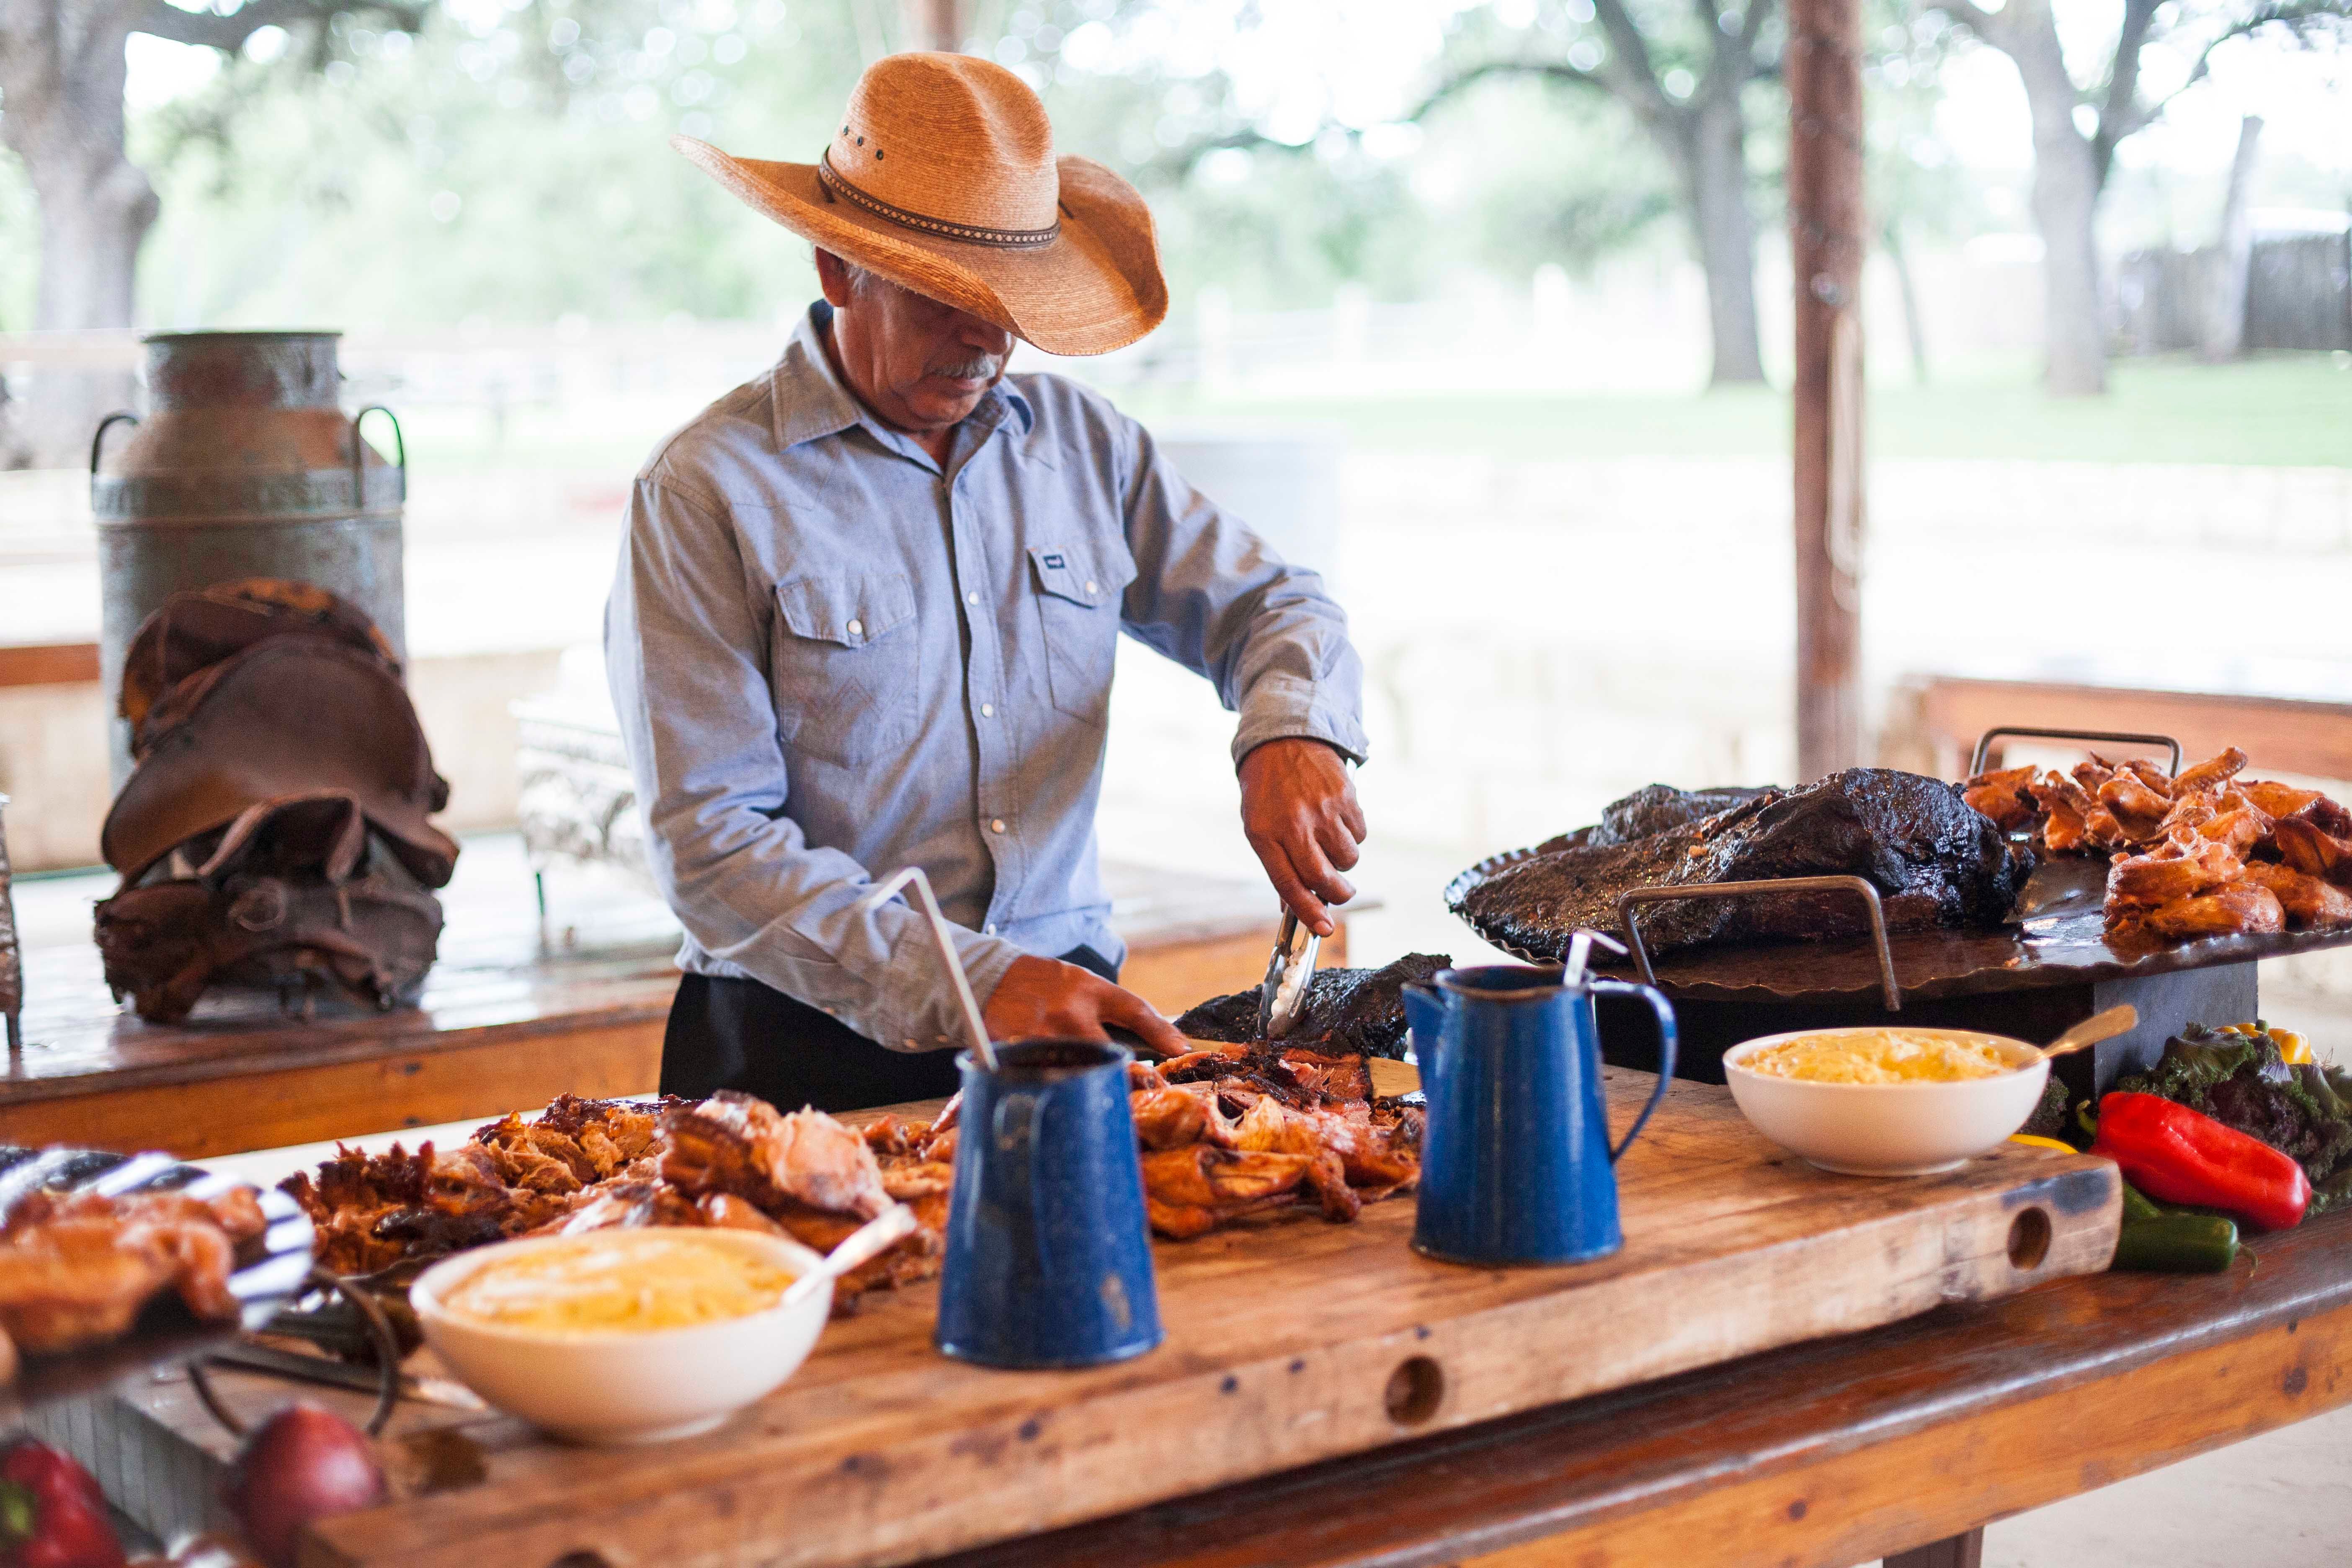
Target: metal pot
[{"x": 244, "y": 466}]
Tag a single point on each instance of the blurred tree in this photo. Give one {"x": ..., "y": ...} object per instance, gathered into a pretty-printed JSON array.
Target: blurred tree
[
  {"x": 2077, "y": 126},
  {"x": 1918, "y": 191},
  {"x": 62, "y": 71},
  {"x": 1682, "y": 71}
]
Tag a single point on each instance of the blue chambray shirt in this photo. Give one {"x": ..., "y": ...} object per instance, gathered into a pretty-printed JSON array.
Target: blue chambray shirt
[{"x": 832, "y": 657}]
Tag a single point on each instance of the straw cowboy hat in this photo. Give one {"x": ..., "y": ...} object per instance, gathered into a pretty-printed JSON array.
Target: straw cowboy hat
[{"x": 942, "y": 178}]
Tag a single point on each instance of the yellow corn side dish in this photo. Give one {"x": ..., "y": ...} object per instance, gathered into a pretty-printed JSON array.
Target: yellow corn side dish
[
  {"x": 1880, "y": 1056},
  {"x": 618, "y": 1282}
]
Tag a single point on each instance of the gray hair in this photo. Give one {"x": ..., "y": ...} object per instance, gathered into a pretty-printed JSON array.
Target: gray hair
[{"x": 860, "y": 278}]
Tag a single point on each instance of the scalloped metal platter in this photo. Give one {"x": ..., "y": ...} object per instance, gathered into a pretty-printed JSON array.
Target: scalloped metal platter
[
  {"x": 2057, "y": 937},
  {"x": 166, "y": 1333}
]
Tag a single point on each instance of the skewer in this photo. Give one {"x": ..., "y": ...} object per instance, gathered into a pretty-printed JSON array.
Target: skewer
[{"x": 882, "y": 894}]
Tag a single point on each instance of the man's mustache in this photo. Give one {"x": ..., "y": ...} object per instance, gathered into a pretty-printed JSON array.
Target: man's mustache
[{"x": 978, "y": 367}]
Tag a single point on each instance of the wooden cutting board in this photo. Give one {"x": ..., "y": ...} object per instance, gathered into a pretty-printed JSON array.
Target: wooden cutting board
[{"x": 1288, "y": 1342}]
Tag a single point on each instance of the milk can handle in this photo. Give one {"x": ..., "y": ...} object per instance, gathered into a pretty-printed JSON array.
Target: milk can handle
[
  {"x": 359, "y": 454},
  {"x": 1665, "y": 1012},
  {"x": 98, "y": 439}
]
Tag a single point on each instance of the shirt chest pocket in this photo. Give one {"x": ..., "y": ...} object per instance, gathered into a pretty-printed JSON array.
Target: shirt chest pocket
[
  {"x": 1077, "y": 591},
  {"x": 848, "y": 666}
]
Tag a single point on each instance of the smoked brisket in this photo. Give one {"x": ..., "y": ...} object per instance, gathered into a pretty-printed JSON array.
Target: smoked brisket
[
  {"x": 1349, "y": 1011},
  {"x": 1935, "y": 860}
]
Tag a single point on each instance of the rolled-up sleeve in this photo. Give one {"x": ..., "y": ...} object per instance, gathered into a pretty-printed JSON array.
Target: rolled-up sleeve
[
  {"x": 686, "y": 636},
  {"x": 1214, "y": 596}
]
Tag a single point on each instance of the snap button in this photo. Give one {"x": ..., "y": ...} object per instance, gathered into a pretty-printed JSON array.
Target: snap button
[
  {"x": 1091, "y": 588},
  {"x": 997, "y": 825},
  {"x": 988, "y": 710},
  {"x": 973, "y": 598},
  {"x": 858, "y": 628}
]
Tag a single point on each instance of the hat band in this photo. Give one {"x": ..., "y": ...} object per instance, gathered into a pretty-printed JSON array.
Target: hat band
[{"x": 1008, "y": 238}]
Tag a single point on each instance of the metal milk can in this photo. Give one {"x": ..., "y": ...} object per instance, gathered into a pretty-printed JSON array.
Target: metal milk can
[{"x": 243, "y": 467}]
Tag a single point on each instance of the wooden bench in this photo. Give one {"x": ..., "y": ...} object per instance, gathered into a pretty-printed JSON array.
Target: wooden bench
[{"x": 2284, "y": 734}]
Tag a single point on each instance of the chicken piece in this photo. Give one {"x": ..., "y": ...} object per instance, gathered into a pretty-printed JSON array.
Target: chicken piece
[
  {"x": 2066, "y": 807},
  {"x": 78, "y": 1269},
  {"x": 2139, "y": 809},
  {"x": 2189, "y": 810},
  {"x": 911, "y": 1182},
  {"x": 2002, "y": 795},
  {"x": 2313, "y": 852},
  {"x": 1166, "y": 1118},
  {"x": 2310, "y": 903},
  {"x": 1224, "y": 1181},
  {"x": 2101, "y": 829},
  {"x": 2209, "y": 775},
  {"x": 2178, "y": 869},
  {"x": 894, "y": 1136},
  {"x": 734, "y": 1142},
  {"x": 2241, "y": 830},
  {"x": 2091, "y": 775},
  {"x": 2149, "y": 774},
  {"x": 2232, "y": 910},
  {"x": 2278, "y": 799},
  {"x": 70, "y": 1283},
  {"x": 1272, "y": 1128},
  {"x": 238, "y": 1214}
]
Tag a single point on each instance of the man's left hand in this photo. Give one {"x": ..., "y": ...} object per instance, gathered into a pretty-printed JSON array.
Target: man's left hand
[{"x": 1300, "y": 810}]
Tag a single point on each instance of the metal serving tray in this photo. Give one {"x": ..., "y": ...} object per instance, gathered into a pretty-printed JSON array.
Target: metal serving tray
[{"x": 166, "y": 1333}]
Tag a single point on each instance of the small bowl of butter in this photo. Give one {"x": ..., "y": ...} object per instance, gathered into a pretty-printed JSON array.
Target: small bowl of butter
[
  {"x": 623, "y": 1336},
  {"x": 1886, "y": 1100}
]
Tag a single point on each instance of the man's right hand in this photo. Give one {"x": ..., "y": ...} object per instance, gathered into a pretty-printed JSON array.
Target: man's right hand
[{"x": 1045, "y": 999}]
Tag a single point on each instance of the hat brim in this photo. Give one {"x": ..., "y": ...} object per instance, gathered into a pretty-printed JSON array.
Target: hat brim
[{"x": 1096, "y": 288}]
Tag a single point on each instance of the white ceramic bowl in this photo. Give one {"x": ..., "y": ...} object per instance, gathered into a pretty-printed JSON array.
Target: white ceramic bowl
[
  {"x": 1889, "y": 1128},
  {"x": 625, "y": 1386}
]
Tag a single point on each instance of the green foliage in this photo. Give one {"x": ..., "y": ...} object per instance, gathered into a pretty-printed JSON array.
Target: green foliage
[
  {"x": 506, "y": 164},
  {"x": 2293, "y": 410}
]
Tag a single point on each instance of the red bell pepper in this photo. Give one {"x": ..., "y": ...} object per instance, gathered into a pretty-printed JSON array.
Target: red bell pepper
[
  {"x": 52, "y": 1514},
  {"x": 2183, "y": 1156}
]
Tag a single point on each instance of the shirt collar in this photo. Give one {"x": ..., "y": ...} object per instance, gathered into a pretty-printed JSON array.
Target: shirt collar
[{"x": 811, "y": 402}]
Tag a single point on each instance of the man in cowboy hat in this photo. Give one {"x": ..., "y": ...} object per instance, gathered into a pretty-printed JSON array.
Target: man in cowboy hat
[{"x": 867, "y": 605}]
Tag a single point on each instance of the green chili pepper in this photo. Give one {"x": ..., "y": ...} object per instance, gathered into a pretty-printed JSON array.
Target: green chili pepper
[{"x": 2157, "y": 1240}]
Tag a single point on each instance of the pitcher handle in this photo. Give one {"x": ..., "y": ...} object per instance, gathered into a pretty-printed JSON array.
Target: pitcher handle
[
  {"x": 1019, "y": 1116},
  {"x": 1665, "y": 1012}
]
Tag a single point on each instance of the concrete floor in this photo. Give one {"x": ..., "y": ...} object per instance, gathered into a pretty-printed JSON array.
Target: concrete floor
[{"x": 2281, "y": 1500}]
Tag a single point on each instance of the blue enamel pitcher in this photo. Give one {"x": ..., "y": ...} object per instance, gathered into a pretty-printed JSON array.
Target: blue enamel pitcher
[
  {"x": 1516, "y": 1163},
  {"x": 1048, "y": 1255}
]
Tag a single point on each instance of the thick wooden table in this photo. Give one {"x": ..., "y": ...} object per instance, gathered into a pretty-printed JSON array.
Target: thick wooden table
[
  {"x": 1288, "y": 1343},
  {"x": 1902, "y": 1442},
  {"x": 512, "y": 1014}
]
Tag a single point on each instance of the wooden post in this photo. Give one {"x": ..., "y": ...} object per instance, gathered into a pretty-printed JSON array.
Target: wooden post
[{"x": 1826, "y": 229}]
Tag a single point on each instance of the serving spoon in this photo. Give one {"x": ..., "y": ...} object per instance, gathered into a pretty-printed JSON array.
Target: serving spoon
[
  {"x": 2098, "y": 1027},
  {"x": 867, "y": 1242}
]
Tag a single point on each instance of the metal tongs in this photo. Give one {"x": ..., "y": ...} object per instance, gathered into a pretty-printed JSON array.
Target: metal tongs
[{"x": 1282, "y": 994}]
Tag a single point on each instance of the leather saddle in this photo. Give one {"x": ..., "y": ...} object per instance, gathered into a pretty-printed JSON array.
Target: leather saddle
[{"x": 274, "y": 831}]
